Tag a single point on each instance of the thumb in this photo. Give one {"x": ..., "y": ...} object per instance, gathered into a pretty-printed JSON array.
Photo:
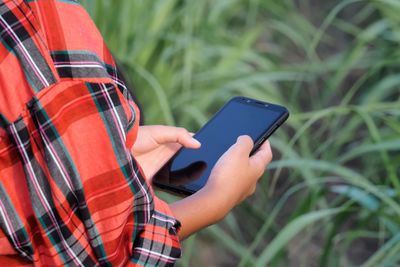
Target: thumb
[{"x": 244, "y": 144}]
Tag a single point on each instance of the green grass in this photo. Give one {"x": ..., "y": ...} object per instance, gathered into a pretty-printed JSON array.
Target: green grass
[{"x": 332, "y": 195}]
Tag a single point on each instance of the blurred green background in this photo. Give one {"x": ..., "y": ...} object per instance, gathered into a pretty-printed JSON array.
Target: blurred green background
[{"x": 331, "y": 196}]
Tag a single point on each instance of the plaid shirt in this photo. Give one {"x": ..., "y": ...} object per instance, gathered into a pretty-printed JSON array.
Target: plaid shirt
[{"x": 71, "y": 192}]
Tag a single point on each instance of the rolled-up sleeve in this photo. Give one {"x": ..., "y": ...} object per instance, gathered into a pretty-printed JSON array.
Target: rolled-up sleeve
[{"x": 158, "y": 243}]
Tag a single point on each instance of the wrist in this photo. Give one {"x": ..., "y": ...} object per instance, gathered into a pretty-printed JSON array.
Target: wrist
[{"x": 207, "y": 206}]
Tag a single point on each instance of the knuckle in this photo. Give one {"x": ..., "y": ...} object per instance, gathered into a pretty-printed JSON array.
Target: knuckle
[
  {"x": 260, "y": 171},
  {"x": 266, "y": 156},
  {"x": 252, "y": 190},
  {"x": 270, "y": 156},
  {"x": 182, "y": 131}
]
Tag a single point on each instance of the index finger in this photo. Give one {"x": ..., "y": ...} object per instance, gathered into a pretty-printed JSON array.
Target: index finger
[
  {"x": 170, "y": 134},
  {"x": 262, "y": 157}
]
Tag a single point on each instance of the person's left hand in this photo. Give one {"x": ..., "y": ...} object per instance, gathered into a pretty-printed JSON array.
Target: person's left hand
[{"x": 156, "y": 144}]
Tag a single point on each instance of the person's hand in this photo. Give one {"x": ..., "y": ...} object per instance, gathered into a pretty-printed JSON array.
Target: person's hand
[
  {"x": 235, "y": 175},
  {"x": 156, "y": 144},
  {"x": 233, "y": 179}
]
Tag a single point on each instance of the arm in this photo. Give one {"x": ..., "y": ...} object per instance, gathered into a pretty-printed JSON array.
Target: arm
[
  {"x": 198, "y": 211},
  {"x": 232, "y": 180}
]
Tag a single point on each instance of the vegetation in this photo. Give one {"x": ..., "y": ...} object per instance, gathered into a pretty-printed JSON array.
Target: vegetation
[{"x": 331, "y": 196}]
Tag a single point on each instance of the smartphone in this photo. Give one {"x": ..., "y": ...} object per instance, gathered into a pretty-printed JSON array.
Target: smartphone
[{"x": 188, "y": 170}]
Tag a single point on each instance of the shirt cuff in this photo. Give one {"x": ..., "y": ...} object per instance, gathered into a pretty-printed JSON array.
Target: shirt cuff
[
  {"x": 164, "y": 212},
  {"x": 158, "y": 243}
]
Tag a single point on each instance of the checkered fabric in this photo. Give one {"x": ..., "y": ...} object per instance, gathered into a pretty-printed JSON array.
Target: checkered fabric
[{"x": 71, "y": 192}]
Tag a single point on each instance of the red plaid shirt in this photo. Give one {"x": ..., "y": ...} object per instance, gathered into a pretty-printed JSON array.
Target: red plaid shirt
[{"x": 71, "y": 192}]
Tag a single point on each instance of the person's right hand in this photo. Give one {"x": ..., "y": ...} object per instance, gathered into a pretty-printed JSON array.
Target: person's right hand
[
  {"x": 235, "y": 175},
  {"x": 233, "y": 179}
]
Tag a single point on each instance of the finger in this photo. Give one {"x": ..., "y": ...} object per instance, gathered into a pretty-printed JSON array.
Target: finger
[
  {"x": 265, "y": 145},
  {"x": 261, "y": 158},
  {"x": 169, "y": 134},
  {"x": 187, "y": 140},
  {"x": 252, "y": 190},
  {"x": 244, "y": 144}
]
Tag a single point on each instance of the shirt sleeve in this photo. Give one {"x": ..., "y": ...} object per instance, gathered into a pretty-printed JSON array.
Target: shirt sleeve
[{"x": 158, "y": 243}]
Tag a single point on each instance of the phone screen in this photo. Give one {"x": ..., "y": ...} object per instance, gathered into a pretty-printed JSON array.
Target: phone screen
[{"x": 190, "y": 168}]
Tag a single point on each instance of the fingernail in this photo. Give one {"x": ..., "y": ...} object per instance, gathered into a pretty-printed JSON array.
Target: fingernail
[
  {"x": 240, "y": 137},
  {"x": 196, "y": 141}
]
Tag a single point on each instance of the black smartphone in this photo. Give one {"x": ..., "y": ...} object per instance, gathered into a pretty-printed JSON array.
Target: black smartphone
[{"x": 188, "y": 170}]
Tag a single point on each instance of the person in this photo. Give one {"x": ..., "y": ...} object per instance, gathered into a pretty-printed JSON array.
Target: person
[{"x": 76, "y": 166}]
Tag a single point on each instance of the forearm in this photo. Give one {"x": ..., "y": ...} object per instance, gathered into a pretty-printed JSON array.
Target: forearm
[{"x": 200, "y": 210}]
